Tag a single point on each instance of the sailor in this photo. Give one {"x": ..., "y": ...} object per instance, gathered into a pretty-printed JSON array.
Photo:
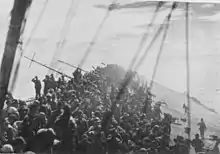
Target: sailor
[
  {"x": 77, "y": 75},
  {"x": 61, "y": 81},
  {"x": 53, "y": 82},
  {"x": 186, "y": 109},
  {"x": 46, "y": 84},
  {"x": 202, "y": 128},
  {"x": 157, "y": 110},
  {"x": 198, "y": 144},
  {"x": 147, "y": 105},
  {"x": 37, "y": 83}
]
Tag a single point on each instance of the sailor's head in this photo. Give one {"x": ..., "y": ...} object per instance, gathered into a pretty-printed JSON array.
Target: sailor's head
[
  {"x": 201, "y": 119},
  {"x": 197, "y": 135}
]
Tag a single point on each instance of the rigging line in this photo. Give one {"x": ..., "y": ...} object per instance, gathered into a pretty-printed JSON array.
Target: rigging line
[
  {"x": 128, "y": 76},
  {"x": 188, "y": 68},
  {"x": 160, "y": 51},
  {"x": 64, "y": 31},
  {"x": 97, "y": 33},
  {"x": 128, "y": 79},
  {"x": 36, "y": 25},
  {"x": 70, "y": 14},
  {"x": 146, "y": 34},
  {"x": 17, "y": 66},
  {"x": 155, "y": 37}
]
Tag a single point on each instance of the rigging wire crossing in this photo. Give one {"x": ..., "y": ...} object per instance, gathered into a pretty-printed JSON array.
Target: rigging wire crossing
[
  {"x": 174, "y": 6},
  {"x": 160, "y": 51},
  {"x": 145, "y": 35},
  {"x": 129, "y": 77},
  {"x": 32, "y": 60},
  {"x": 17, "y": 66},
  {"x": 188, "y": 69},
  {"x": 97, "y": 32},
  {"x": 64, "y": 32}
]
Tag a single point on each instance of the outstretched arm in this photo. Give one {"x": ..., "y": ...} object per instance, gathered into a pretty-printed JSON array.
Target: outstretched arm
[{"x": 33, "y": 80}]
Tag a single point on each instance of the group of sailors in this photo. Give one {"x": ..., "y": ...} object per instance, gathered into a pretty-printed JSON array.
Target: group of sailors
[
  {"x": 197, "y": 142},
  {"x": 49, "y": 83}
]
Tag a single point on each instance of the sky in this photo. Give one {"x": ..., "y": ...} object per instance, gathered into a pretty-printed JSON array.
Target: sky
[{"x": 119, "y": 39}]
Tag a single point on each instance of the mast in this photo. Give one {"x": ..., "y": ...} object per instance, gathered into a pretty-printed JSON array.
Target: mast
[
  {"x": 188, "y": 70},
  {"x": 16, "y": 28}
]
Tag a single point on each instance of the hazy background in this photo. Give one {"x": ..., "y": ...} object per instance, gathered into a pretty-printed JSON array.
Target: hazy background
[{"x": 119, "y": 40}]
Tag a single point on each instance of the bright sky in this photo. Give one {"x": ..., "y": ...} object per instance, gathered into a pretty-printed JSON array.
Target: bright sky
[{"x": 119, "y": 40}]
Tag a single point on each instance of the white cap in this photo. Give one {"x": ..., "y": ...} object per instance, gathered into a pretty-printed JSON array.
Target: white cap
[{"x": 7, "y": 148}]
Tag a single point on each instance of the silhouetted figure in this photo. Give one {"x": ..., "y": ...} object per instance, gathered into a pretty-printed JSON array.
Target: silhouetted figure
[
  {"x": 197, "y": 144},
  {"x": 186, "y": 109},
  {"x": 61, "y": 81},
  {"x": 77, "y": 75},
  {"x": 53, "y": 84},
  {"x": 147, "y": 105},
  {"x": 202, "y": 128},
  {"x": 37, "y": 86},
  {"x": 46, "y": 84}
]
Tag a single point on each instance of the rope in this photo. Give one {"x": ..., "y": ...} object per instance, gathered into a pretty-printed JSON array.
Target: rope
[
  {"x": 97, "y": 33},
  {"x": 17, "y": 66},
  {"x": 36, "y": 25},
  {"x": 188, "y": 69},
  {"x": 145, "y": 36},
  {"x": 155, "y": 37},
  {"x": 128, "y": 77},
  {"x": 160, "y": 51},
  {"x": 68, "y": 21},
  {"x": 64, "y": 32}
]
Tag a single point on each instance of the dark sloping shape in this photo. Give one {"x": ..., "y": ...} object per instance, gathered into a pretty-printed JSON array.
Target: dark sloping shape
[
  {"x": 198, "y": 9},
  {"x": 133, "y": 5},
  {"x": 100, "y": 6},
  {"x": 137, "y": 5},
  {"x": 198, "y": 102}
]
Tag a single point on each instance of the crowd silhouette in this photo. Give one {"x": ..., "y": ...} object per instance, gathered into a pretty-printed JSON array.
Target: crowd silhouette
[{"x": 76, "y": 116}]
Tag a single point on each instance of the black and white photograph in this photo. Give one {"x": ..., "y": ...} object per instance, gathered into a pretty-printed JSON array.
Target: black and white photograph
[{"x": 110, "y": 76}]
